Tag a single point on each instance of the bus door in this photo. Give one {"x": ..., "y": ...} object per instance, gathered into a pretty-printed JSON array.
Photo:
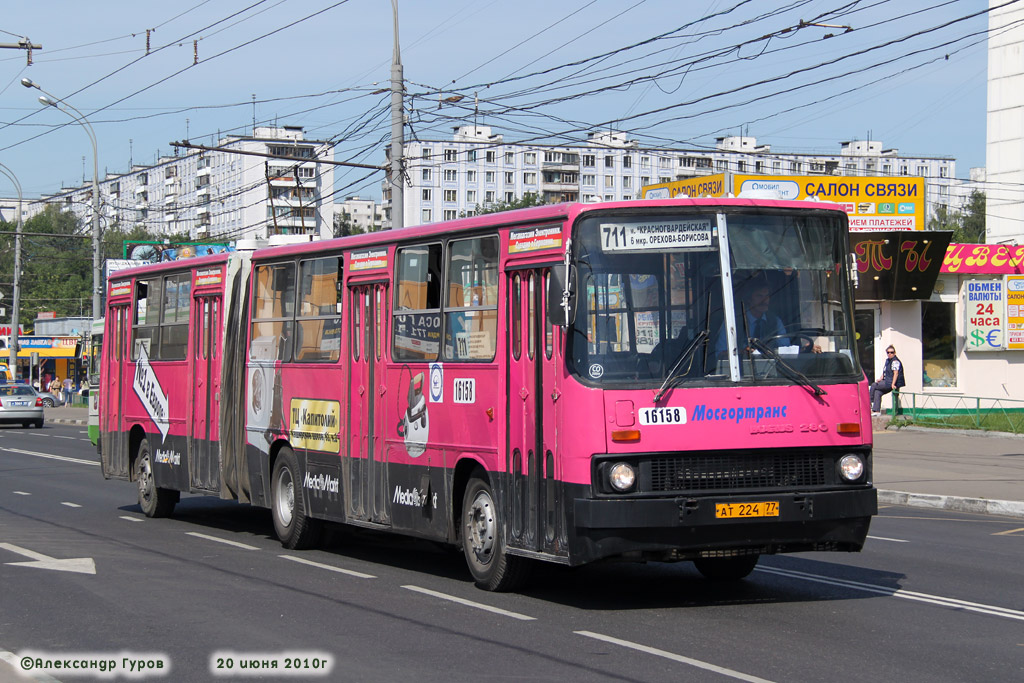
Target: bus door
[
  {"x": 113, "y": 429},
  {"x": 204, "y": 460},
  {"x": 534, "y": 499},
  {"x": 365, "y": 464}
]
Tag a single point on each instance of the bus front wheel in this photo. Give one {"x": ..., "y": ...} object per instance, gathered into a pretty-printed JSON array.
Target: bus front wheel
[
  {"x": 293, "y": 527},
  {"x": 154, "y": 501},
  {"x": 483, "y": 542},
  {"x": 726, "y": 568}
]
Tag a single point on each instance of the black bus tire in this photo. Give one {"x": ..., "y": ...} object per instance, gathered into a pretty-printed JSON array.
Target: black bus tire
[
  {"x": 726, "y": 568},
  {"x": 293, "y": 527},
  {"x": 154, "y": 501},
  {"x": 483, "y": 542}
]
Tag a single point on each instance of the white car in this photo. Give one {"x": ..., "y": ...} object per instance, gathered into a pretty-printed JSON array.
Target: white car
[{"x": 20, "y": 403}]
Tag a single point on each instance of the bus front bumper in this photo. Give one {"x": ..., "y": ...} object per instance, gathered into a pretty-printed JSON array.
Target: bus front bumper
[{"x": 682, "y": 528}]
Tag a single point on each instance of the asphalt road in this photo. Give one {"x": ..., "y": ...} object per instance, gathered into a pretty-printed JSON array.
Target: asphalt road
[{"x": 935, "y": 596}]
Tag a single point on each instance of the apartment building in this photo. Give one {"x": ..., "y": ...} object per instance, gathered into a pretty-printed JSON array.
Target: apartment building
[
  {"x": 217, "y": 194},
  {"x": 476, "y": 167}
]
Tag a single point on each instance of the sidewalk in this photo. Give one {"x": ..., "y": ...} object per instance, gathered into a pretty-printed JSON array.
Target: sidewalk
[
  {"x": 935, "y": 468},
  {"x": 949, "y": 469}
]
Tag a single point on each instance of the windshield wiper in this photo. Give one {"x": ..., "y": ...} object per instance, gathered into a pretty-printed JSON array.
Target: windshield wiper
[
  {"x": 684, "y": 355},
  {"x": 687, "y": 353},
  {"x": 787, "y": 369}
]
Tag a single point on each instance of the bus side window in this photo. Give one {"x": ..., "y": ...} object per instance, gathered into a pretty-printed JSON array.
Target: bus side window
[
  {"x": 471, "y": 299},
  {"x": 416, "y": 322}
]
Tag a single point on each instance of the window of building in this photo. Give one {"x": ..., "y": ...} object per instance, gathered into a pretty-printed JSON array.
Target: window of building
[
  {"x": 645, "y": 162},
  {"x": 489, "y": 176},
  {"x": 530, "y": 158},
  {"x": 938, "y": 344},
  {"x": 922, "y": 171},
  {"x": 471, "y": 155},
  {"x": 426, "y": 194},
  {"x": 589, "y": 198},
  {"x": 627, "y": 197},
  {"x": 627, "y": 161},
  {"x": 609, "y": 161},
  {"x": 609, "y": 198},
  {"x": 665, "y": 162},
  {"x": 510, "y": 197},
  {"x": 470, "y": 176},
  {"x": 451, "y": 195},
  {"x": 589, "y": 179},
  {"x": 450, "y": 214},
  {"x": 665, "y": 179},
  {"x": 450, "y": 155},
  {"x": 645, "y": 180},
  {"x": 417, "y": 310},
  {"x": 510, "y": 178},
  {"x": 589, "y": 159},
  {"x": 609, "y": 181},
  {"x": 451, "y": 175},
  {"x": 426, "y": 216},
  {"x": 489, "y": 197},
  {"x": 510, "y": 158},
  {"x": 426, "y": 174},
  {"x": 426, "y": 152},
  {"x": 741, "y": 166},
  {"x": 529, "y": 178},
  {"x": 627, "y": 182},
  {"x": 491, "y": 156},
  {"x": 471, "y": 196},
  {"x": 318, "y": 318}
]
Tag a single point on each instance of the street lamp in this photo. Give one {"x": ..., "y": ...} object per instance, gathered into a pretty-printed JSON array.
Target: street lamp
[
  {"x": 13, "y": 339},
  {"x": 52, "y": 101}
]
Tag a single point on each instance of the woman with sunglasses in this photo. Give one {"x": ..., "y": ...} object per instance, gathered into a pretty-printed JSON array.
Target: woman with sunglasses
[{"x": 892, "y": 378}]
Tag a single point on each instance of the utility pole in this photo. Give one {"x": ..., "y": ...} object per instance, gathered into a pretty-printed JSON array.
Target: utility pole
[
  {"x": 13, "y": 339},
  {"x": 397, "y": 131}
]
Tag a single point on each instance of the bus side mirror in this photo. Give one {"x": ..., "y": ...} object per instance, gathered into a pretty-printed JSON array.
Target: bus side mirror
[{"x": 561, "y": 313}]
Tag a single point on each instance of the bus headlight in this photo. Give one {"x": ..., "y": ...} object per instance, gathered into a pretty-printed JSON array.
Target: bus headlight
[
  {"x": 622, "y": 476},
  {"x": 851, "y": 467}
]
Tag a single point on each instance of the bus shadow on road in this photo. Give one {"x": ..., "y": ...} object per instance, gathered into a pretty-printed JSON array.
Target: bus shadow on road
[{"x": 778, "y": 579}]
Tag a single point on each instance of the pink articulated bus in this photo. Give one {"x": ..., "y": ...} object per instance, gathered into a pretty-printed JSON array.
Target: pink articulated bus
[{"x": 656, "y": 380}]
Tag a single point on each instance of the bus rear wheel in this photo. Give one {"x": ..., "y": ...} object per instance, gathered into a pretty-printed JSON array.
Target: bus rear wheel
[
  {"x": 726, "y": 568},
  {"x": 293, "y": 527},
  {"x": 483, "y": 542},
  {"x": 154, "y": 501}
]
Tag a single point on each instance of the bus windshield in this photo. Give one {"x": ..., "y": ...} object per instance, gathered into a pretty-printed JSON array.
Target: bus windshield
[{"x": 653, "y": 305}]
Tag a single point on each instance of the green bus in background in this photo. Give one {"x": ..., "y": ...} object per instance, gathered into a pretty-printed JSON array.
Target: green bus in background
[{"x": 93, "y": 395}]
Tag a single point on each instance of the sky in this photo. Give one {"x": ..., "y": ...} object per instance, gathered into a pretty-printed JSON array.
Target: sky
[{"x": 799, "y": 75}]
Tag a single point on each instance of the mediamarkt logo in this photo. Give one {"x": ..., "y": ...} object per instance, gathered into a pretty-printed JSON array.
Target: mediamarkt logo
[
  {"x": 412, "y": 497},
  {"x": 321, "y": 482}
]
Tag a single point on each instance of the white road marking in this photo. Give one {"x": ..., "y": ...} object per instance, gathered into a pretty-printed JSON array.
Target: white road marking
[
  {"x": 225, "y": 541},
  {"x": 883, "y": 538},
  {"x": 674, "y": 657},
  {"x": 53, "y": 457},
  {"x": 15, "y": 662},
  {"x": 80, "y": 565},
  {"x": 130, "y": 519},
  {"x": 954, "y": 603},
  {"x": 470, "y": 603},
  {"x": 22, "y": 493},
  {"x": 70, "y": 438},
  {"x": 328, "y": 567},
  {"x": 71, "y": 505}
]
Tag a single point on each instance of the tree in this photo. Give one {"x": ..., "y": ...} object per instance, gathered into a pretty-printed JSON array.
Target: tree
[
  {"x": 972, "y": 224},
  {"x": 343, "y": 225},
  {"x": 527, "y": 200},
  {"x": 968, "y": 226}
]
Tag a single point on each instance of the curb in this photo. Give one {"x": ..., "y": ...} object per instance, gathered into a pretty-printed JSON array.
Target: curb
[
  {"x": 67, "y": 421},
  {"x": 1008, "y": 508}
]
